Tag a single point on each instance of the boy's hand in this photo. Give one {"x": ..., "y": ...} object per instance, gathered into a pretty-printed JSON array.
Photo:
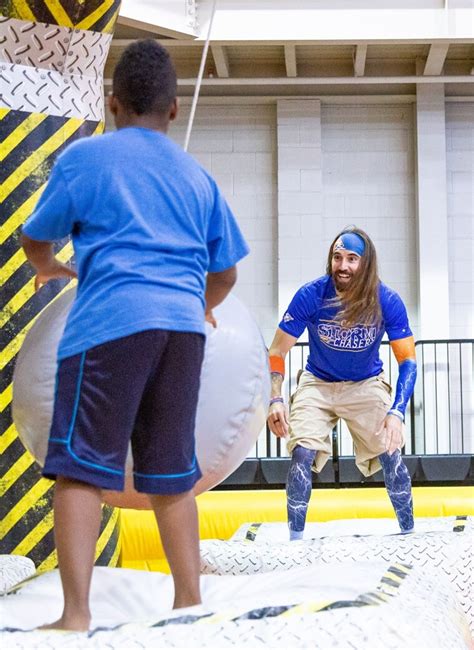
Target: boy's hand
[
  {"x": 209, "y": 317},
  {"x": 52, "y": 272}
]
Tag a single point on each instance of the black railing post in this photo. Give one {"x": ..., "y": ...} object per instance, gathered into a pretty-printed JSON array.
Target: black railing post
[
  {"x": 335, "y": 457},
  {"x": 412, "y": 424}
]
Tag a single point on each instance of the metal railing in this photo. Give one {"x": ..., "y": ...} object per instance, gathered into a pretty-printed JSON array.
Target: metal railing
[
  {"x": 439, "y": 418},
  {"x": 442, "y": 406}
]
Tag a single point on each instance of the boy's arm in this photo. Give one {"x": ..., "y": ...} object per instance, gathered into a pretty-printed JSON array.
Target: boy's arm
[
  {"x": 218, "y": 286},
  {"x": 41, "y": 256}
]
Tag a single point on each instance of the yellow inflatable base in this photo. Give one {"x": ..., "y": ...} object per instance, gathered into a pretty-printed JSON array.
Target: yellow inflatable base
[{"x": 221, "y": 513}]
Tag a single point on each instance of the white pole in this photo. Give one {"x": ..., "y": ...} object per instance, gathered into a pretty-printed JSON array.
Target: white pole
[{"x": 199, "y": 79}]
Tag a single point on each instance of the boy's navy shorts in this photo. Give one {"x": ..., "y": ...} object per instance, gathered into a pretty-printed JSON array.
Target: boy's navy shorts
[{"x": 141, "y": 388}]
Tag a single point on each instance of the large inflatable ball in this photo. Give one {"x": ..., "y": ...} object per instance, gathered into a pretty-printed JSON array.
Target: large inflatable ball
[{"x": 233, "y": 398}]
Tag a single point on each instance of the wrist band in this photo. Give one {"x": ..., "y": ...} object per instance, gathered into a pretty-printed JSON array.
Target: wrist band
[
  {"x": 277, "y": 364},
  {"x": 397, "y": 413},
  {"x": 274, "y": 400}
]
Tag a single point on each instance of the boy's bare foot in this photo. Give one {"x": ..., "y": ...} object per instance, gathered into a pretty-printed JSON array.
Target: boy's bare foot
[{"x": 77, "y": 624}]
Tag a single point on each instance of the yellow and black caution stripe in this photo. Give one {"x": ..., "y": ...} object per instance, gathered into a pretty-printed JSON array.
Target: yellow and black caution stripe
[
  {"x": 93, "y": 15},
  {"x": 107, "y": 549},
  {"x": 29, "y": 143},
  {"x": 389, "y": 585},
  {"x": 460, "y": 525},
  {"x": 26, "y": 514},
  {"x": 387, "y": 589},
  {"x": 32, "y": 145},
  {"x": 252, "y": 532}
]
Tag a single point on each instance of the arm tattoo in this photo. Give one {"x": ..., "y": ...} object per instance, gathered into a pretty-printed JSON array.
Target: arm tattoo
[{"x": 277, "y": 381}]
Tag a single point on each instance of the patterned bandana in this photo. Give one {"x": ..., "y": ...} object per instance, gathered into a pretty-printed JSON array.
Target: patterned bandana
[{"x": 350, "y": 241}]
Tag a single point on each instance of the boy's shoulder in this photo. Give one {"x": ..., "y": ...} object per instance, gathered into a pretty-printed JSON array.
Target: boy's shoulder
[{"x": 86, "y": 146}]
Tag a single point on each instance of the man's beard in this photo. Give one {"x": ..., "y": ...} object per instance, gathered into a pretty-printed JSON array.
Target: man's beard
[{"x": 345, "y": 284}]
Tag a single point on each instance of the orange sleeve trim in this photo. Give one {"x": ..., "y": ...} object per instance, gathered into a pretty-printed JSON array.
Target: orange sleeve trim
[
  {"x": 277, "y": 364},
  {"x": 403, "y": 349}
]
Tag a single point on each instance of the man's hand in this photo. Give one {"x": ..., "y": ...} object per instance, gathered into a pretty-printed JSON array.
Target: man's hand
[
  {"x": 277, "y": 419},
  {"x": 52, "y": 272},
  {"x": 391, "y": 432}
]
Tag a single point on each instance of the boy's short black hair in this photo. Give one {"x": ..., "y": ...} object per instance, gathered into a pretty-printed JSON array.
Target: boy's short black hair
[{"x": 145, "y": 79}]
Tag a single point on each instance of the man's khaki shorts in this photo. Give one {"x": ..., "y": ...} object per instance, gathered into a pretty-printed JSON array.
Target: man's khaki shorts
[{"x": 317, "y": 405}]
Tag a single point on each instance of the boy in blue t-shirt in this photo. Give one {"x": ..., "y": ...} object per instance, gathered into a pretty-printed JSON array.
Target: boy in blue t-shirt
[
  {"x": 156, "y": 247},
  {"x": 346, "y": 312}
]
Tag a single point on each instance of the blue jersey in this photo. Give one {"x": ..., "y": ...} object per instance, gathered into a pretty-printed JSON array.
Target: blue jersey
[
  {"x": 147, "y": 224},
  {"x": 338, "y": 353}
]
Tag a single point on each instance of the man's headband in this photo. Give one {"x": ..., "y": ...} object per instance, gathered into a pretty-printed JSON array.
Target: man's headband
[{"x": 350, "y": 241}]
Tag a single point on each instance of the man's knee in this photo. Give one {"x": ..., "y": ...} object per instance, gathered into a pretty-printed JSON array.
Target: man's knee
[
  {"x": 303, "y": 455},
  {"x": 394, "y": 468},
  {"x": 391, "y": 460}
]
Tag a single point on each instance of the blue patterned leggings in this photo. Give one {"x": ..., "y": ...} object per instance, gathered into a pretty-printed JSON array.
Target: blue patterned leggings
[{"x": 299, "y": 484}]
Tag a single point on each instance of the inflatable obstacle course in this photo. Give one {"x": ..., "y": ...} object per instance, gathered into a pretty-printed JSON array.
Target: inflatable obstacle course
[
  {"x": 358, "y": 605},
  {"x": 222, "y": 513}
]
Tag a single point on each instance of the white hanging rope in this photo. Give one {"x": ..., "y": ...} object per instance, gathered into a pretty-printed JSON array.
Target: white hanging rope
[{"x": 199, "y": 79}]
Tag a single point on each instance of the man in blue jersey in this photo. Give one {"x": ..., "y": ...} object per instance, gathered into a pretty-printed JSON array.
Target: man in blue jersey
[
  {"x": 156, "y": 247},
  {"x": 346, "y": 312}
]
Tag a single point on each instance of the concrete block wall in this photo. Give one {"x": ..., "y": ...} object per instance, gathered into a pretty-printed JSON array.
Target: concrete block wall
[
  {"x": 460, "y": 208},
  {"x": 295, "y": 171},
  {"x": 460, "y": 190},
  {"x": 368, "y": 180},
  {"x": 299, "y": 196},
  {"x": 237, "y": 145}
]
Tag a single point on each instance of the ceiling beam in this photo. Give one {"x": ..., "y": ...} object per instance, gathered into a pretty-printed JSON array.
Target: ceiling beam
[
  {"x": 290, "y": 61},
  {"x": 436, "y": 58},
  {"x": 221, "y": 60},
  {"x": 419, "y": 66},
  {"x": 198, "y": 42},
  {"x": 359, "y": 56},
  {"x": 326, "y": 81},
  {"x": 236, "y": 100}
]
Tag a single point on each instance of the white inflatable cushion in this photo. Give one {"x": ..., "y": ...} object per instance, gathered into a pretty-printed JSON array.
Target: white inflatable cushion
[
  {"x": 358, "y": 605},
  {"x": 14, "y": 569},
  {"x": 449, "y": 553},
  {"x": 278, "y": 532}
]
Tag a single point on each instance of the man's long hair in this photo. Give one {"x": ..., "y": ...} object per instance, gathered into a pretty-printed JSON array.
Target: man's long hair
[{"x": 360, "y": 301}]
